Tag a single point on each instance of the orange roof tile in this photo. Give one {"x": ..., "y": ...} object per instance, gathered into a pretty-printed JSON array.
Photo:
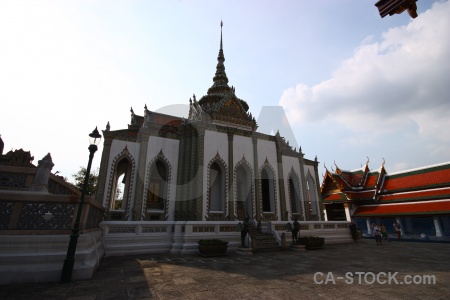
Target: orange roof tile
[
  {"x": 335, "y": 197},
  {"x": 413, "y": 208},
  {"x": 417, "y": 195},
  {"x": 418, "y": 179}
]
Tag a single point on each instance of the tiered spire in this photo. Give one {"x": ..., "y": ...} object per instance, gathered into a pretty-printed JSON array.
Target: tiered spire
[{"x": 220, "y": 78}]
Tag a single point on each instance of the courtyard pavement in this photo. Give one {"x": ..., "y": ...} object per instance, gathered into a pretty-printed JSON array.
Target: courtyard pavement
[{"x": 361, "y": 270}]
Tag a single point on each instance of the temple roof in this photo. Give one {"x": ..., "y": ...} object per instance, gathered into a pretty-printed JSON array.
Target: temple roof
[
  {"x": 390, "y": 7},
  {"x": 362, "y": 185},
  {"x": 221, "y": 105},
  {"x": 405, "y": 209}
]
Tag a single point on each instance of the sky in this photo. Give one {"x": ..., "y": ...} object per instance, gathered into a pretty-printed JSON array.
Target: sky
[{"x": 353, "y": 86}]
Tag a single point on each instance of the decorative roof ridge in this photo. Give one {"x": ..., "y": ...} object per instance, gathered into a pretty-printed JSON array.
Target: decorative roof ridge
[
  {"x": 419, "y": 168},
  {"x": 417, "y": 191}
]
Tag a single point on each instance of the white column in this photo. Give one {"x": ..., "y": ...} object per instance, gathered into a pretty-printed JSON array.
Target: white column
[
  {"x": 369, "y": 227},
  {"x": 437, "y": 225},
  {"x": 347, "y": 212}
]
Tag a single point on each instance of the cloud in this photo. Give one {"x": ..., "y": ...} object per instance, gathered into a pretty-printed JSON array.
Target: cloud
[{"x": 399, "y": 82}]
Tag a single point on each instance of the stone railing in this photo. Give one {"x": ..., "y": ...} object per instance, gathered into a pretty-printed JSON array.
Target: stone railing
[
  {"x": 333, "y": 231},
  {"x": 44, "y": 213},
  {"x": 131, "y": 237}
]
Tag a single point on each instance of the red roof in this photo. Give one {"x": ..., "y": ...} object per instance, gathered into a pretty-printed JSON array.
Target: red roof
[
  {"x": 440, "y": 193},
  {"x": 371, "y": 180},
  {"x": 338, "y": 197},
  {"x": 432, "y": 177},
  {"x": 363, "y": 195},
  {"x": 399, "y": 209}
]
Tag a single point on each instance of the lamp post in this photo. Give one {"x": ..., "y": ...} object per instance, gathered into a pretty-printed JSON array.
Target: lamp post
[{"x": 66, "y": 275}]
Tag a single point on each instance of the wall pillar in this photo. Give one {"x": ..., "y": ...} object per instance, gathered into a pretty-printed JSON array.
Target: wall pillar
[
  {"x": 101, "y": 184},
  {"x": 437, "y": 226},
  {"x": 347, "y": 212},
  {"x": 258, "y": 212},
  {"x": 137, "y": 213},
  {"x": 231, "y": 200}
]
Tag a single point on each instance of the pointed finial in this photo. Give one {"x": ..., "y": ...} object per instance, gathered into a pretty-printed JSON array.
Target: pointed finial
[
  {"x": 383, "y": 162},
  {"x": 221, "y": 25},
  {"x": 131, "y": 110},
  {"x": 145, "y": 107},
  {"x": 108, "y": 127},
  {"x": 367, "y": 160}
]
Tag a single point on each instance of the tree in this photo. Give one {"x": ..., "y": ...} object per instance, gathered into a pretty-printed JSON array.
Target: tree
[{"x": 92, "y": 183}]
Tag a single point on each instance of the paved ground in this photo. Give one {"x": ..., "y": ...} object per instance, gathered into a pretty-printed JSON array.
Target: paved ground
[{"x": 270, "y": 275}]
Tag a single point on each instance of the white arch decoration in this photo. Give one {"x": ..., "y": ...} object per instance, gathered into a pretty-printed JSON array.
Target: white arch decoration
[
  {"x": 168, "y": 166},
  {"x": 302, "y": 208},
  {"x": 243, "y": 161},
  {"x": 124, "y": 154},
  {"x": 216, "y": 159},
  {"x": 266, "y": 164}
]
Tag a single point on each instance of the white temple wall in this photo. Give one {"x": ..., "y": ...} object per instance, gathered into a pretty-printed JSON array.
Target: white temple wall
[
  {"x": 170, "y": 149},
  {"x": 117, "y": 146},
  {"x": 215, "y": 142},
  {"x": 313, "y": 173},
  {"x": 242, "y": 147}
]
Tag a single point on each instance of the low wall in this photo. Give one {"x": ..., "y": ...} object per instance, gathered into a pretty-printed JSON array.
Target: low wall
[
  {"x": 40, "y": 258},
  {"x": 32, "y": 213},
  {"x": 334, "y": 232},
  {"x": 180, "y": 237}
]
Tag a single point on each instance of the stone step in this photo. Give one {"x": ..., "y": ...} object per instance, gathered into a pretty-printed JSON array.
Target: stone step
[
  {"x": 264, "y": 242},
  {"x": 266, "y": 249}
]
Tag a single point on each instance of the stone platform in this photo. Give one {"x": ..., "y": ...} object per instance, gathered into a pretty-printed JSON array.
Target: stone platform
[{"x": 265, "y": 275}]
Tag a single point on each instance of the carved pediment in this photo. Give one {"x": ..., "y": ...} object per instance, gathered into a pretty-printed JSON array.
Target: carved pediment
[{"x": 232, "y": 108}]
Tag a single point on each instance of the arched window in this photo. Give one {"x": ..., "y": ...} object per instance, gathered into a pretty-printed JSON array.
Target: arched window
[
  {"x": 267, "y": 190},
  {"x": 216, "y": 188},
  {"x": 294, "y": 195},
  {"x": 121, "y": 185},
  {"x": 244, "y": 204},
  {"x": 312, "y": 198},
  {"x": 157, "y": 186}
]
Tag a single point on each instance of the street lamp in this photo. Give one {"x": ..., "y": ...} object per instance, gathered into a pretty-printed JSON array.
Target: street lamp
[{"x": 66, "y": 275}]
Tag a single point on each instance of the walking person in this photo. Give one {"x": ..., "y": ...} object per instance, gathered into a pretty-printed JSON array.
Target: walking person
[{"x": 384, "y": 233}]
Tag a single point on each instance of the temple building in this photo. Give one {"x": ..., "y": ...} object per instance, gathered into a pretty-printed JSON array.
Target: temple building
[
  {"x": 211, "y": 166},
  {"x": 419, "y": 199}
]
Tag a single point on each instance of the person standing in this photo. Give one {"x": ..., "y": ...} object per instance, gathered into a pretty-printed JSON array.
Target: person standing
[
  {"x": 295, "y": 231},
  {"x": 244, "y": 231},
  {"x": 377, "y": 233},
  {"x": 398, "y": 230},
  {"x": 384, "y": 233}
]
